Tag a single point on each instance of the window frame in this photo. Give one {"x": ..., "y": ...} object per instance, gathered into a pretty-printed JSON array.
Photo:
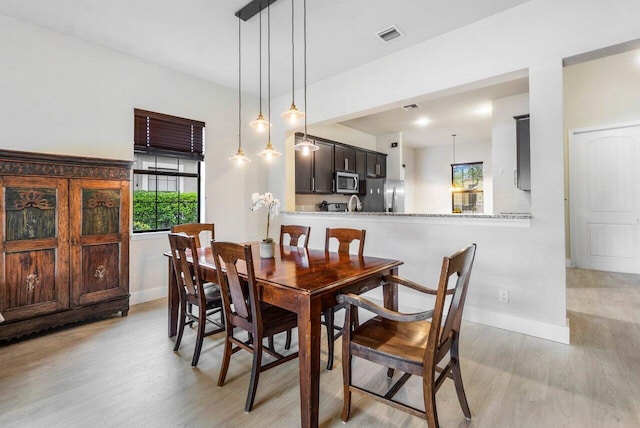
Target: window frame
[{"x": 148, "y": 141}]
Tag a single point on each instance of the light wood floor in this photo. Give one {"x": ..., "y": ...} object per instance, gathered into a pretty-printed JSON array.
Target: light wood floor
[{"x": 122, "y": 372}]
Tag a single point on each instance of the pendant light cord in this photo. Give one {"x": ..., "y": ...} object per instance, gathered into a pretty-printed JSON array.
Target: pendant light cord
[
  {"x": 260, "y": 62},
  {"x": 293, "y": 58},
  {"x": 269, "y": 67},
  {"x": 454, "y": 148},
  {"x": 239, "y": 87},
  {"x": 304, "y": 22}
]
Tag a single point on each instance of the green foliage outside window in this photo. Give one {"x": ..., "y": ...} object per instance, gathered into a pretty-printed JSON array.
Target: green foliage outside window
[{"x": 161, "y": 210}]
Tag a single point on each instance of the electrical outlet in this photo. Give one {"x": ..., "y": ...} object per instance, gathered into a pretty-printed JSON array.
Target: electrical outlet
[{"x": 503, "y": 296}]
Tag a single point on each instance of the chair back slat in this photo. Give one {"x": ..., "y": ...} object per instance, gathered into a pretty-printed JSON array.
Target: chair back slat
[
  {"x": 235, "y": 290},
  {"x": 458, "y": 265},
  {"x": 345, "y": 237},
  {"x": 295, "y": 232}
]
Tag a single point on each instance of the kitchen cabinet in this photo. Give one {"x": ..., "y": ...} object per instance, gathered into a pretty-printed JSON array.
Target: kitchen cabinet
[
  {"x": 65, "y": 235},
  {"x": 344, "y": 158},
  {"x": 523, "y": 153},
  {"x": 376, "y": 165},
  {"x": 314, "y": 172},
  {"x": 361, "y": 170}
]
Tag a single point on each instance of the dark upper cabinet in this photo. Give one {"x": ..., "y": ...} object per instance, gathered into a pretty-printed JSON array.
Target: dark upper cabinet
[
  {"x": 345, "y": 158},
  {"x": 323, "y": 168},
  {"x": 376, "y": 165},
  {"x": 361, "y": 164},
  {"x": 314, "y": 172},
  {"x": 304, "y": 172},
  {"x": 523, "y": 154}
]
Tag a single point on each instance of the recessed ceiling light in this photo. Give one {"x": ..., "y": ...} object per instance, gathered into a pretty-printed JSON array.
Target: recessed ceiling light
[
  {"x": 389, "y": 34},
  {"x": 422, "y": 121}
]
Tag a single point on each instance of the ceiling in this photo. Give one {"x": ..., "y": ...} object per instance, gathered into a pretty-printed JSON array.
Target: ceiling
[
  {"x": 199, "y": 37},
  {"x": 466, "y": 113}
]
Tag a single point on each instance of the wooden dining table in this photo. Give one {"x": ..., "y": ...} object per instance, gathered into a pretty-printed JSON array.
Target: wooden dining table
[{"x": 304, "y": 281}]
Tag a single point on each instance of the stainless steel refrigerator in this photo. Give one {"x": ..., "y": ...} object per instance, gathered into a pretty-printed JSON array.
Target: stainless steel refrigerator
[{"x": 384, "y": 195}]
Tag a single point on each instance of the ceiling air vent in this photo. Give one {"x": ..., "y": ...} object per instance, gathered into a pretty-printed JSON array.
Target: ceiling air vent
[
  {"x": 410, "y": 107},
  {"x": 389, "y": 34}
]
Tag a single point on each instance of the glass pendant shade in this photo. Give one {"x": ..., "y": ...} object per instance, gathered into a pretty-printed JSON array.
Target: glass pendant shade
[
  {"x": 293, "y": 115},
  {"x": 305, "y": 146},
  {"x": 269, "y": 152},
  {"x": 239, "y": 157},
  {"x": 261, "y": 124}
]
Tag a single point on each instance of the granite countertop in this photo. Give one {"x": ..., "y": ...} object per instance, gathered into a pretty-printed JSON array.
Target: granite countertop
[{"x": 515, "y": 216}]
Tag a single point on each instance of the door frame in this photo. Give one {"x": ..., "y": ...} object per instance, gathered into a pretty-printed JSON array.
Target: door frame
[{"x": 573, "y": 179}]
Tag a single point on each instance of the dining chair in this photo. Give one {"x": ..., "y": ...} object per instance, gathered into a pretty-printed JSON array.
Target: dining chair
[
  {"x": 344, "y": 237},
  {"x": 409, "y": 343},
  {"x": 295, "y": 233},
  {"x": 197, "y": 230},
  {"x": 191, "y": 291},
  {"x": 244, "y": 311}
]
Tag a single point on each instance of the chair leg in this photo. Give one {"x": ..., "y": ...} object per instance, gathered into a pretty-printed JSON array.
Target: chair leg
[
  {"x": 287, "y": 343},
  {"x": 329, "y": 323},
  {"x": 255, "y": 375},
  {"x": 429, "y": 391},
  {"x": 270, "y": 342},
  {"x": 346, "y": 382},
  {"x": 202, "y": 323},
  {"x": 226, "y": 357},
  {"x": 181, "y": 322},
  {"x": 462, "y": 398}
]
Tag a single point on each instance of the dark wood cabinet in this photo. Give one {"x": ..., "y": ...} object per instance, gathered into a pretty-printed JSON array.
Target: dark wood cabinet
[
  {"x": 314, "y": 172},
  {"x": 376, "y": 165},
  {"x": 523, "y": 153},
  {"x": 323, "y": 168},
  {"x": 65, "y": 236},
  {"x": 345, "y": 158}
]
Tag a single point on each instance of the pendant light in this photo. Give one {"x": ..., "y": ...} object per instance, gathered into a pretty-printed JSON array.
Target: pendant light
[
  {"x": 293, "y": 115},
  {"x": 260, "y": 123},
  {"x": 305, "y": 146},
  {"x": 239, "y": 157},
  {"x": 269, "y": 152}
]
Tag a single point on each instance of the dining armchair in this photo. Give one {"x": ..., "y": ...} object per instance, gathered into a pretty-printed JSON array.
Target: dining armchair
[
  {"x": 410, "y": 343},
  {"x": 295, "y": 233},
  {"x": 245, "y": 312},
  {"x": 344, "y": 237},
  {"x": 192, "y": 292}
]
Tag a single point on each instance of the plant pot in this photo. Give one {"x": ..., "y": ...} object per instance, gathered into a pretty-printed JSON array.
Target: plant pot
[{"x": 267, "y": 249}]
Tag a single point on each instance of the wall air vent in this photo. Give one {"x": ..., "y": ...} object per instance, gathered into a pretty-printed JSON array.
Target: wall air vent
[
  {"x": 389, "y": 34},
  {"x": 410, "y": 107}
]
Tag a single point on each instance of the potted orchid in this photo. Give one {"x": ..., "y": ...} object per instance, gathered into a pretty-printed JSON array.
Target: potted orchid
[{"x": 273, "y": 209}]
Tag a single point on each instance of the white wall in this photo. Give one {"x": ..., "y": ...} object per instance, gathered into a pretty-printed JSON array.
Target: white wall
[
  {"x": 433, "y": 175},
  {"x": 62, "y": 95},
  {"x": 394, "y": 154},
  {"x": 344, "y": 134},
  {"x": 507, "y": 198}
]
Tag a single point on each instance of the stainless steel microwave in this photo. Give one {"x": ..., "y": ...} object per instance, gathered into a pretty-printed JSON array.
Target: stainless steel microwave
[{"x": 346, "y": 182}]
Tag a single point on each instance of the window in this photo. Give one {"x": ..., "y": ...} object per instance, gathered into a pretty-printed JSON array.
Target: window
[
  {"x": 467, "y": 195},
  {"x": 168, "y": 151}
]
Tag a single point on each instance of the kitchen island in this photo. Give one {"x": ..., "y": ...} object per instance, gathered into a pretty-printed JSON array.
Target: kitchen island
[{"x": 506, "y": 260}]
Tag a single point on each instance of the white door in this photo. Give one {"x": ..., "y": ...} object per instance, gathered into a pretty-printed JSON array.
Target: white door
[{"x": 605, "y": 198}]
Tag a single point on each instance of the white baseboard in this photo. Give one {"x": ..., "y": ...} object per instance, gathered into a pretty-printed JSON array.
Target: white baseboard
[
  {"x": 543, "y": 330},
  {"x": 147, "y": 295}
]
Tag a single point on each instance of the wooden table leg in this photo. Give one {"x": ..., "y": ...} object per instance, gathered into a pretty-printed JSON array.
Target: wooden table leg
[
  {"x": 309, "y": 359},
  {"x": 172, "y": 297},
  {"x": 390, "y": 293}
]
